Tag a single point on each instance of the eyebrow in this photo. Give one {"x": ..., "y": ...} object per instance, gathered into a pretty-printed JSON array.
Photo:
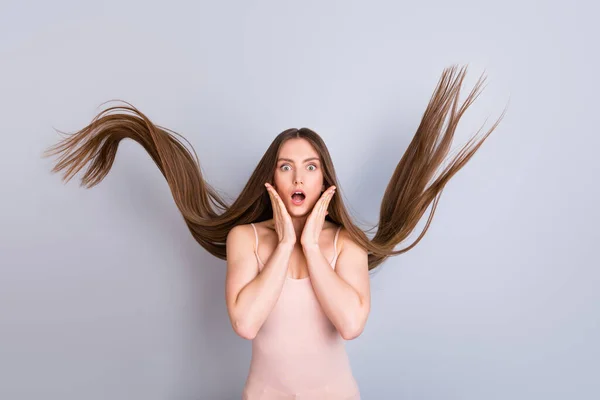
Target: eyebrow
[{"x": 290, "y": 160}]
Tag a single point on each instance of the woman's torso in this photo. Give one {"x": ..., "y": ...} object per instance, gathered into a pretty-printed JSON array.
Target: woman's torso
[{"x": 298, "y": 353}]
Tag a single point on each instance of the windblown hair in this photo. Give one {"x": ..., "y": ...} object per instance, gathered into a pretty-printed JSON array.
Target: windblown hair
[{"x": 412, "y": 187}]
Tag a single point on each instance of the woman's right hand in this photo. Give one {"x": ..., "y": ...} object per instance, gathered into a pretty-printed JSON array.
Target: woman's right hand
[{"x": 281, "y": 218}]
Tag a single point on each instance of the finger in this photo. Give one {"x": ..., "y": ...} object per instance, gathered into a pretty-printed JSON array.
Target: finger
[
  {"x": 328, "y": 200},
  {"x": 329, "y": 191},
  {"x": 319, "y": 205},
  {"x": 284, "y": 211},
  {"x": 330, "y": 197},
  {"x": 324, "y": 202},
  {"x": 274, "y": 204},
  {"x": 277, "y": 208},
  {"x": 326, "y": 205},
  {"x": 323, "y": 197},
  {"x": 277, "y": 199},
  {"x": 271, "y": 196}
]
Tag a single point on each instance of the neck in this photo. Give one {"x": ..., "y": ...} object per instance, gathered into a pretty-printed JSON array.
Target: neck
[{"x": 299, "y": 223}]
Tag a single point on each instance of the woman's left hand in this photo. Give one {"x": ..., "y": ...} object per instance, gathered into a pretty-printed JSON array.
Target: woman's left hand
[{"x": 314, "y": 223}]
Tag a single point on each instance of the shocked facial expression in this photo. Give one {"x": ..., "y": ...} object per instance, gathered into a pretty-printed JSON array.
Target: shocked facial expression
[{"x": 298, "y": 170}]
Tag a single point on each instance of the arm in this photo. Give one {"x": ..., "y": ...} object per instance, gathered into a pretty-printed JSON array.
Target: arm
[
  {"x": 250, "y": 295},
  {"x": 344, "y": 294}
]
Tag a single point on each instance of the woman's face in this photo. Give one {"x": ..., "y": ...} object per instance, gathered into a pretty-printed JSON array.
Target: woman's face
[{"x": 298, "y": 168}]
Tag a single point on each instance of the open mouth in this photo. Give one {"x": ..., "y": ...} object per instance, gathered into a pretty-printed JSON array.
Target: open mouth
[{"x": 298, "y": 198}]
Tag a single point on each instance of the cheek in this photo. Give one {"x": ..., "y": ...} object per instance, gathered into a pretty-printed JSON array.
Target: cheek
[
  {"x": 315, "y": 190},
  {"x": 279, "y": 184},
  {"x": 316, "y": 183},
  {"x": 276, "y": 181}
]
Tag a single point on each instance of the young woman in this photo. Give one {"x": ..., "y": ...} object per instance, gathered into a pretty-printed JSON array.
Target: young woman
[{"x": 298, "y": 267}]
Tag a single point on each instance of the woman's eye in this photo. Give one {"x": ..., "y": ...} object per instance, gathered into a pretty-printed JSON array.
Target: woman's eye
[{"x": 287, "y": 165}]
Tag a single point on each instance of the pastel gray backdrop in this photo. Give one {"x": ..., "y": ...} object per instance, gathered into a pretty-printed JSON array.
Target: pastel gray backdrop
[{"x": 105, "y": 295}]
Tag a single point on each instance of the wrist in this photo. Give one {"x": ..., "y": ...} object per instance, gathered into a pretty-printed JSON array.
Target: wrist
[
  {"x": 287, "y": 245},
  {"x": 310, "y": 246}
]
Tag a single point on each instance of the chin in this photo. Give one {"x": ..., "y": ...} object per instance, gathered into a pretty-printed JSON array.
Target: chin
[
  {"x": 302, "y": 214},
  {"x": 297, "y": 211}
]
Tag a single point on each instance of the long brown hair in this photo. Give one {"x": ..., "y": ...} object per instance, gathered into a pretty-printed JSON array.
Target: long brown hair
[{"x": 208, "y": 216}]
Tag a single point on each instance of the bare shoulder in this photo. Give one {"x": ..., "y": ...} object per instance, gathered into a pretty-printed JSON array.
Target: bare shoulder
[
  {"x": 265, "y": 230},
  {"x": 332, "y": 229},
  {"x": 238, "y": 241},
  {"x": 245, "y": 234},
  {"x": 247, "y": 228},
  {"x": 346, "y": 239},
  {"x": 239, "y": 231},
  {"x": 242, "y": 266},
  {"x": 265, "y": 225}
]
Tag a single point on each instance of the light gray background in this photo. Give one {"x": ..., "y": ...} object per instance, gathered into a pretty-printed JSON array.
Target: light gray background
[{"x": 105, "y": 295}]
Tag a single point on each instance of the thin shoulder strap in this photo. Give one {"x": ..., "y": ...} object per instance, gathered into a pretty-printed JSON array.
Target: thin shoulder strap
[
  {"x": 256, "y": 236},
  {"x": 336, "y": 238},
  {"x": 256, "y": 245},
  {"x": 335, "y": 243}
]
